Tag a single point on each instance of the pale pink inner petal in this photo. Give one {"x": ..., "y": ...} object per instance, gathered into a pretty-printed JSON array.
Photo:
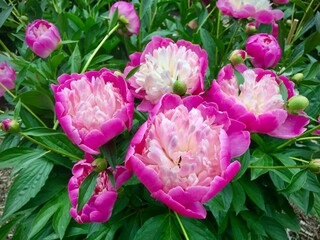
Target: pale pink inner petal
[
  {"x": 259, "y": 4},
  {"x": 257, "y": 97},
  {"x": 184, "y": 148},
  {"x": 42, "y": 28},
  {"x": 163, "y": 67},
  {"x": 90, "y": 104}
]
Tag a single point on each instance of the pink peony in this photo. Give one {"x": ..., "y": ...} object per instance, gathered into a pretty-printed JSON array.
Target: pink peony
[
  {"x": 127, "y": 15},
  {"x": 257, "y": 102},
  {"x": 7, "y": 77},
  {"x": 264, "y": 50},
  {"x": 10, "y": 125},
  {"x": 100, "y": 205},
  {"x": 93, "y": 107},
  {"x": 42, "y": 37},
  {"x": 317, "y": 131},
  {"x": 281, "y": 1},
  {"x": 163, "y": 63},
  {"x": 259, "y": 10},
  {"x": 182, "y": 153}
]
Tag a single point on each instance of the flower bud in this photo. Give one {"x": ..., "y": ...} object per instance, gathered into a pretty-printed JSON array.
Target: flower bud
[
  {"x": 314, "y": 166},
  {"x": 123, "y": 19},
  {"x": 297, "y": 77},
  {"x": 10, "y": 126},
  {"x": 289, "y": 22},
  {"x": 179, "y": 88},
  {"x": 297, "y": 103},
  {"x": 99, "y": 164},
  {"x": 250, "y": 28},
  {"x": 24, "y": 18},
  {"x": 237, "y": 57}
]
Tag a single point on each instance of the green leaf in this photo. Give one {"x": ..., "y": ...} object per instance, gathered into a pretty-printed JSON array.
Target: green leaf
[
  {"x": 239, "y": 231},
  {"x": 4, "y": 15},
  {"x": 222, "y": 201},
  {"x": 36, "y": 99},
  {"x": 26, "y": 185},
  {"x": 86, "y": 189},
  {"x": 196, "y": 230},
  {"x": 238, "y": 202},
  {"x": 41, "y": 131},
  {"x": 109, "y": 152},
  {"x": 254, "y": 192},
  {"x": 62, "y": 217},
  {"x": 297, "y": 182},
  {"x": 239, "y": 77},
  {"x": 245, "y": 161},
  {"x": 17, "y": 156},
  {"x": 260, "y": 159},
  {"x": 114, "y": 19},
  {"x": 6, "y": 228},
  {"x": 132, "y": 72},
  {"x": 75, "y": 60},
  {"x": 17, "y": 110},
  {"x": 253, "y": 223},
  {"x": 284, "y": 92},
  {"x": 273, "y": 229},
  {"x": 208, "y": 44}
]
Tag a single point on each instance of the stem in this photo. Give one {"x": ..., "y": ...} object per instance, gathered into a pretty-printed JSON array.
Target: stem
[
  {"x": 99, "y": 46},
  {"x": 277, "y": 167},
  {"x": 182, "y": 227},
  {"x": 308, "y": 138},
  {"x": 25, "y": 106},
  {"x": 49, "y": 148},
  {"x": 56, "y": 123},
  {"x": 300, "y": 160},
  {"x": 292, "y": 30},
  {"x": 203, "y": 22},
  {"x": 7, "y": 50},
  {"x": 296, "y": 138}
]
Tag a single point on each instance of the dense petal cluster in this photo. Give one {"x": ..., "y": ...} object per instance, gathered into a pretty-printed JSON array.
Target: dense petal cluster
[
  {"x": 7, "y": 77},
  {"x": 127, "y": 15},
  {"x": 259, "y": 10},
  {"x": 162, "y": 63},
  {"x": 42, "y": 37},
  {"x": 264, "y": 50},
  {"x": 93, "y": 107},
  {"x": 100, "y": 205},
  {"x": 182, "y": 153},
  {"x": 258, "y": 101}
]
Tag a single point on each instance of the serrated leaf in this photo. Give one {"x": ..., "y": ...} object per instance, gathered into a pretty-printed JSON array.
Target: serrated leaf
[
  {"x": 196, "y": 230},
  {"x": 26, "y": 185},
  {"x": 297, "y": 182},
  {"x": 86, "y": 189}
]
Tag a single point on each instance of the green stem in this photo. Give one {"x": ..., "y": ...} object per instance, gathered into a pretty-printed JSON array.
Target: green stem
[
  {"x": 277, "y": 167},
  {"x": 204, "y": 21},
  {"x": 300, "y": 160},
  {"x": 25, "y": 106},
  {"x": 47, "y": 147},
  {"x": 296, "y": 138},
  {"x": 56, "y": 123},
  {"x": 182, "y": 227},
  {"x": 7, "y": 50},
  {"x": 308, "y": 138},
  {"x": 1, "y": 111},
  {"x": 99, "y": 46}
]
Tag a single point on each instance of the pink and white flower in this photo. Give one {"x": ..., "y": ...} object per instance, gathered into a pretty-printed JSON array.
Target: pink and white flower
[
  {"x": 7, "y": 77},
  {"x": 127, "y": 15},
  {"x": 162, "y": 63},
  {"x": 257, "y": 102},
  {"x": 100, "y": 205},
  {"x": 264, "y": 50},
  {"x": 93, "y": 107},
  {"x": 259, "y": 10},
  {"x": 42, "y": 37},
  {"x": 182, "y": 153}
]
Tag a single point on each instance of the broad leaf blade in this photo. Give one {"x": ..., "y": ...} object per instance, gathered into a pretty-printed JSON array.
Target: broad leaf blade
[{"x": 86, "y": 189}]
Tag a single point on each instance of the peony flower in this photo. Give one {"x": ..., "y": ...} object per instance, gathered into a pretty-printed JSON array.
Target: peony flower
[
  {"x": 162, "y": 63},
  {"x": 182, "y": 153},
  {"x": 7, "y": 77},
  {"x": 264, "y": 50},
  {"x": 93, "y": 107},
  {"x": 258, "y": 101},
  {"x": 317, "y": 131},
  {"x": 259, "y": 10},
  {"x": 100, "y": 205},
  {"x": 281, "y": 1},
  {"x": 10, "y": 125},
  {"x": 127, "y": 15},
  {"x": 42, "y": 37}
]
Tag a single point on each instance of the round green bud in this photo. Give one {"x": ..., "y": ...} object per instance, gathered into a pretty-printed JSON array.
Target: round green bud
[
  {"x": 314, "y": 166},
  {"x": 99, "y": 164},
  {"x": 298, "y": 77},
  {"x": 179, "y": 88},
  {"x": 123, "y": 19},
  {"x": 297, "y": 103},
  {"x": 24, "y": 18}
]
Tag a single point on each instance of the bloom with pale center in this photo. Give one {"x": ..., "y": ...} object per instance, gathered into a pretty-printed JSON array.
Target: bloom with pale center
[
  {"x": 182, "y": 153},
  {"x": 260, "y": 10},
  {"x": 42, "y": 37},
  {"x": 93, "y": 107},
  {"x": 162, "y": 63},
  {"x": 258, "y": 101}
]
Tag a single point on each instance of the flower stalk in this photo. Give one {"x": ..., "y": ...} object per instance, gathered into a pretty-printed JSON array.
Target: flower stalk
[{"x": 182, "y": 227}]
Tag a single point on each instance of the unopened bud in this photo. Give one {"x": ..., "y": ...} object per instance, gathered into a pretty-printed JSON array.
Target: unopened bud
[
  {"x": 99, "y": 164},
  {"x": 297, "y": 103},
  {"x": 10, "y": 126},
  {"x": 251, "y": 28},
  {"x": 24, "y": 18},
  {"x": 289, "y": 22},
  {"x": 179, "y": 88},
  {"x": 237, "y": 57},
  {"x": 298, "y": 77},
  {"x": 314, "y": 166},
  {"x": 123, "y": 19}
]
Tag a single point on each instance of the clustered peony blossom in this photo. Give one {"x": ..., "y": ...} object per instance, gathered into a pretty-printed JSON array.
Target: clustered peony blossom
[
  {"x": 182, "y": 153},
  {"x": 162, "y": 64},
  {"x": 259, "y": 10},
  {"x": 42, "y": 37},
  {"x": 100, "y": 205},
  {"x": 127, "y": 15},
  {"x": 93, "y": 107},
  {"x": 257, "y": 102},
  {"x": 7, "y": 77},
  {"x": 264, "y": 50}
]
